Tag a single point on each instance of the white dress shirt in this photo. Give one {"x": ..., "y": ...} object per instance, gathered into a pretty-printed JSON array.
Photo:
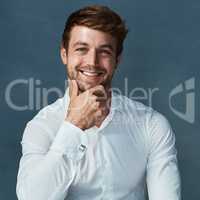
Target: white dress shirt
[{"x": 131, "y": 153}]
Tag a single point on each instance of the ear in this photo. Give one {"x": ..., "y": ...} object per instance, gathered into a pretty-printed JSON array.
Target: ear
[{"x": 63, "y": 55}]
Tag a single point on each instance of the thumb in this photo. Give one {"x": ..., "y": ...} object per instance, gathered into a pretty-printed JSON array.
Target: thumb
[{"x": 73, "y": 88}]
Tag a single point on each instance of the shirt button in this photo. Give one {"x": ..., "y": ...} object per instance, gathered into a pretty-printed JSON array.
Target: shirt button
[{"x": 82, "y": 148}]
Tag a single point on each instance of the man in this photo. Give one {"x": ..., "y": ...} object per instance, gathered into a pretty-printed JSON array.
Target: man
[{"x": 94, "y": 144}]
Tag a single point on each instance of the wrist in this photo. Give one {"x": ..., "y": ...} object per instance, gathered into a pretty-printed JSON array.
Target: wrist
[{"x": 75, "y": 122}]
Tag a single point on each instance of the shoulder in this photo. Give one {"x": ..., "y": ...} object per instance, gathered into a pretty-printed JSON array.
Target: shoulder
[
  {"x": 45, "y": 123},
  {"x": 135, "y": 109},
  {"x": 52, "y": 112},
  {"x": 145, "y": 115},
  {"x": 153, "y": 126}
]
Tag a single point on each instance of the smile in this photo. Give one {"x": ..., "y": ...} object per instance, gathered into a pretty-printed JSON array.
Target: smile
[{"x": 91, "y": 73}]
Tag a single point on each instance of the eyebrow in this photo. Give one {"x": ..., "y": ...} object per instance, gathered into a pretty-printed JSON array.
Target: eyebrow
[
  {"x": 109, "y": 46},
  {"x": 80, "y": 43}
]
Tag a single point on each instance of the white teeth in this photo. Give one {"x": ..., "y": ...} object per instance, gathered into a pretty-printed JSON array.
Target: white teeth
[{"x": 90, "y": 73}]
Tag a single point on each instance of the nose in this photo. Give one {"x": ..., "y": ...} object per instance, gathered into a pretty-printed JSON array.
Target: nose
[{"x": 92, "y": 58}]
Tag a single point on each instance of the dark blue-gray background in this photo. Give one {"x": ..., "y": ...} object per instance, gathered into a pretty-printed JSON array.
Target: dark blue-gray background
[{"x": 161, "y": 51}]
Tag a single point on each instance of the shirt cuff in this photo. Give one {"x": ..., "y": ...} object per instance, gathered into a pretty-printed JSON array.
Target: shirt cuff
[{"x": 70, "y": 141}]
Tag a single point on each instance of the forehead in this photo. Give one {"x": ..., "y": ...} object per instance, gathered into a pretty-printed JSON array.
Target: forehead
[{"x": 82, "y": 34}]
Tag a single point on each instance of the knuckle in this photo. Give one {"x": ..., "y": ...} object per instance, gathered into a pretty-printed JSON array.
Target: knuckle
[
  {"x": 101, "y": 87},
  {"x": 96, "y": 105},
  {"x": 94, "y": 97},
  {"x": 100, "y": 112},
  {"x": 93, "y": 106},
  {"x": 91, "y": 99},
  {"x": 90, "y": 92}
]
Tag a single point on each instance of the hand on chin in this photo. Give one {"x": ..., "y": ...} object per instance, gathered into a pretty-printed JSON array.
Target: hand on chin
[{"x": 83, "y": 86}]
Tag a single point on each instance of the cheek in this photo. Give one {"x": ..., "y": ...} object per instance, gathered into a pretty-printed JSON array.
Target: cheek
[
  {"x": 73, "y": 61},
  {"x": 109, "y": 65}
]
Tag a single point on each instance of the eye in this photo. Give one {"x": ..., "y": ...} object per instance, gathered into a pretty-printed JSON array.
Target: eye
[
  {"x": 81, "y": 49},
  {"x": 105, "y": 52}
]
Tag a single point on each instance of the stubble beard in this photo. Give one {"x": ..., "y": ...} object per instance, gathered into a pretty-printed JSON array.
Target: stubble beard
[{"x": 82, "y": 86}]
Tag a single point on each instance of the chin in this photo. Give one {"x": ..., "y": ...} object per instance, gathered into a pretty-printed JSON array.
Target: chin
[{"x": 83, "y": 86}]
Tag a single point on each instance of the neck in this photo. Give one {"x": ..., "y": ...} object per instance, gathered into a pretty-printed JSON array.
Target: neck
[{"x": 107, "y": 106}]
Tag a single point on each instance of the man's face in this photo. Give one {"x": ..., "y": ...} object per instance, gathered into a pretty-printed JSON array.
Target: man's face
[{"x": 91, "y": 57}]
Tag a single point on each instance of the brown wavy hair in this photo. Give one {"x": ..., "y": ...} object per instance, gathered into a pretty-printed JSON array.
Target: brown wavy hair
[{"x": 99, "y": 18}]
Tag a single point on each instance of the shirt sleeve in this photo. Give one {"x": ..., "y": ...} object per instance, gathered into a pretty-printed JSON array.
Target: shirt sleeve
[
  {"x": 47, "y": 168},
  {"x": 163, "y": 179}
]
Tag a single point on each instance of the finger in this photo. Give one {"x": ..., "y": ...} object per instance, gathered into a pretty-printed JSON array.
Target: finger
[
  {"x": 100, "y": 98},
  {"x": 73, "y": 88},
  {"x": 99, "y": 113},
  {"x": 99, "y": 91}
]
